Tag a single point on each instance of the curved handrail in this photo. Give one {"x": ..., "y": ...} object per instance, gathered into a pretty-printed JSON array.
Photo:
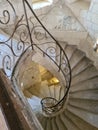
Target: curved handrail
[
  {"x": 53, "y": 51},
  {"x": 61, "y": 102}
]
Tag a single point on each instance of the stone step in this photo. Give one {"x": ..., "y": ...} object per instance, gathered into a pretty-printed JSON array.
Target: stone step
[
  {"x": 81, "y": 65},
  {"x": 57, "y": 92},
  {"x": 63, "y": 44},
  {"x": 87, "y": 105},
  {"x": 86, "y": 94},
  {"x": 54, "y": 125},
  {"x": 61, "y": 93},
  {"x": 92, "y": 83},
  {"x": 79, "y": 122},
  {"x": 49, "y": 124},
  {"x": 51, "y": 91},
  {"x": 85, "y": 75},
  {"x": 44, "y": 123},
  {"x": 60, "y": 124},
  {"x": 70, "y": 50},
  {"x": 68, "y": 122},
  {"x": 91, "y": 118},
  {"x": 76, "y": 57},
  {"x": 63, "y": 122}
]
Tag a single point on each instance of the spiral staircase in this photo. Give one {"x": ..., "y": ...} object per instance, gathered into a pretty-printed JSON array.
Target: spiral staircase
[
  {"x": 80, "y": 110},
  {"x": 70, "y": 104}
]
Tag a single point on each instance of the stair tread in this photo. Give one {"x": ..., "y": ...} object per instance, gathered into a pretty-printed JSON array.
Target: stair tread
[
  {"x": 54, "y": 125},
  {"x": 60, "y": 124},
  {"x": 69, "y": 124},
  {"x": 88, "y": 84},
  {"x": 57, "y": 91},
  {"x": 61, "y": 93},
  {"x": 83, "y": 63},
  {"x": 69, "y": 50},
  {"x": 87, "y": 94},
  {"x": 85, "y": 75},
  {"x": 79, "y": 122},
  {"x": 49, "y": 124},
  {"x": 91, "y": 118},
  {"x": 43, "y": 122},
  {"x": 51, "y": 91},
  {"x": 88, "y": 105},
  {"x": 77, "y": 55}
]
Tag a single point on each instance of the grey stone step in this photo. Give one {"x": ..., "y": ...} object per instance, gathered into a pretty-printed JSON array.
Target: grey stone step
[
  {"x": 92, "y": 83},
  {"x": 81, "y": 65},
  {"x": 63, "y": 122},
  {"x": 87, "y": 105},
  {"x": 57, "y": 92},
  {"x": 76, "y": 57},
  {"x": 84, "y": 75},
  {"x": 54, "y": 125},
  {"x": 79, "y": 122},
  {"x": 49, "y": 124},
  {"x": 43, "y": 122},
  {"x": 61, "y": 93},
  {"x": 68, "y": 122},
  {"x": 70, "y": 50},
  {"x": 86, "y": 94},
  {"x": 55, "y": 88},
  {"x": 91, "y": 118},
  {"x": 63, "y": 44},
  {"x": 51, "y": 91},
  {"x": 60, "y": 124}
]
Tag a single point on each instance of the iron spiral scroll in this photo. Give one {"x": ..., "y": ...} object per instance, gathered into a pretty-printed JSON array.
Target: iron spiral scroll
[{"x": 28, "y": 32}]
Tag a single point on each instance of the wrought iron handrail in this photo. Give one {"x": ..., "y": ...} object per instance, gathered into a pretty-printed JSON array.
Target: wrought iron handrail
[{"x": 54, "y": 51}]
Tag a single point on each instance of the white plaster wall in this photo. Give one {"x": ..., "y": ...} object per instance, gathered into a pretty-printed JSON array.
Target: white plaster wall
[{"x": 92, "y": 19}]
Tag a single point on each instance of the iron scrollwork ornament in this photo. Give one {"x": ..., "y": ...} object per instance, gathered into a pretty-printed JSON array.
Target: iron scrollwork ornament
[{"x": 27, "y": 32}]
